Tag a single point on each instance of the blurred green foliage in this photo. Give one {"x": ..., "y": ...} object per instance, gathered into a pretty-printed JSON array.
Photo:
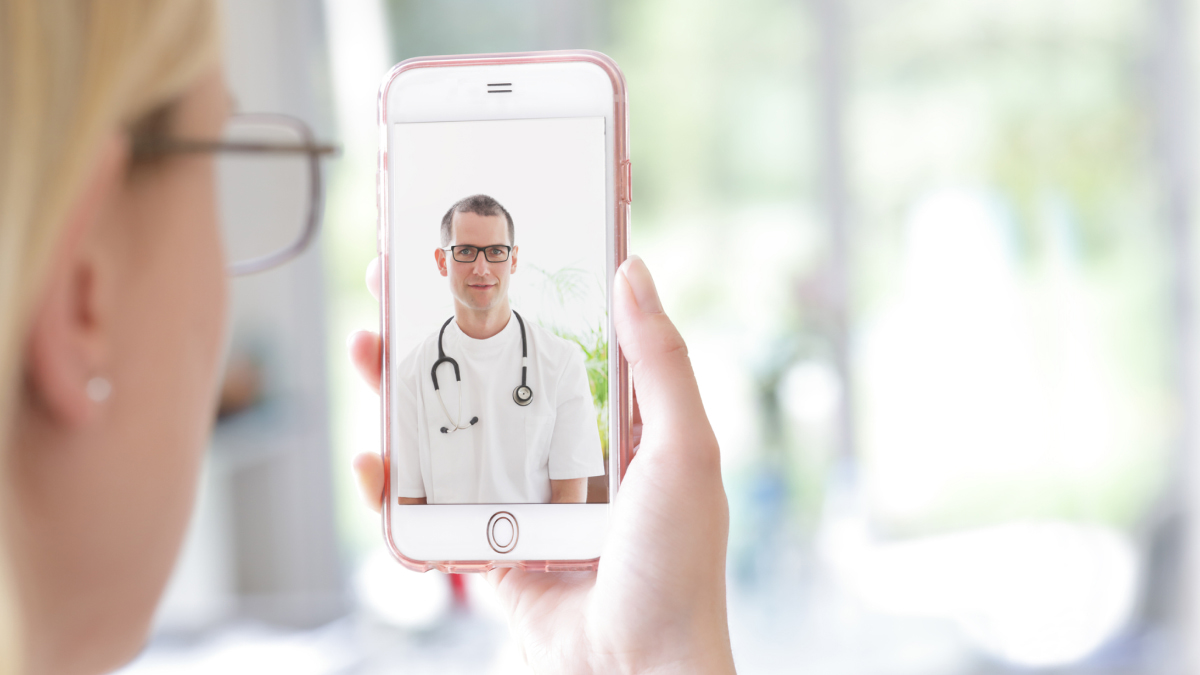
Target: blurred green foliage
[{"x": 568, "y": 286}]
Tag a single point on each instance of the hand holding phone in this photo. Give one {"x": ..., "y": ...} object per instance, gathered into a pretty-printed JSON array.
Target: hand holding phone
[{"x": 658, "y": 599}]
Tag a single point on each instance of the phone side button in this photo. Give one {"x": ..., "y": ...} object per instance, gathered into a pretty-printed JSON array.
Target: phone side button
[
  {"x": 627, "y": 178},
  {"x": 381, "y": 202},
  {"x": 502, "y": 532}
]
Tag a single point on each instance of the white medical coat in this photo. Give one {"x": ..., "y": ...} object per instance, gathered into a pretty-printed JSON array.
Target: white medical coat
[{"x": 513, "y": 452}]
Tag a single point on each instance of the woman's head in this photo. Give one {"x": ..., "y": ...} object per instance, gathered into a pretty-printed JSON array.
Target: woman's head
[{"x": 110, "y": 271}]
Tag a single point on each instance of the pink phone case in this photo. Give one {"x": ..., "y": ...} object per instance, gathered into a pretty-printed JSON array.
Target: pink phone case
[{"x": 624, "y": 392}]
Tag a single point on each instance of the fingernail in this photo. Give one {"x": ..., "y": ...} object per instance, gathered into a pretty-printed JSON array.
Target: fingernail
[{"x": 642, "y": 285}]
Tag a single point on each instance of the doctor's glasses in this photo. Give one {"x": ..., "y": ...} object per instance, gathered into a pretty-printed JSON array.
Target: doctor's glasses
[
  {"x": 269, "y": 186},
  {"x": 468, "y": 254}
]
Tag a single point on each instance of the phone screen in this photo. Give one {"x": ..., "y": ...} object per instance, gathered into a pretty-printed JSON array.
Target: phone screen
[{"x": 499, "y": 337}]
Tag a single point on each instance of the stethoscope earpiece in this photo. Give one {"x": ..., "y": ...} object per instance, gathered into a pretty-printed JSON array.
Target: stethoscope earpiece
[{"x": 446, "y": 430}]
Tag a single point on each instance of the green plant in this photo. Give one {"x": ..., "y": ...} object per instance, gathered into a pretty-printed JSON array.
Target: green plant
[
  {"x": 568, "y": 286},
  {"x": 595, "y": 359}
]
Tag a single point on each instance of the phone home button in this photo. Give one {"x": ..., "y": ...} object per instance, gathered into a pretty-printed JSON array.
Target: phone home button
[{"x": 502, "y": 532}]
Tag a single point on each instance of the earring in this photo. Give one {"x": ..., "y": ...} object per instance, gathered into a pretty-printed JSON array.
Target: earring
[{"x": 99, "y": 389}]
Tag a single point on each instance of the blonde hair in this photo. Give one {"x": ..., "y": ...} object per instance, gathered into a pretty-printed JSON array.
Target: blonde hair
[{"x": 72, "y": 73}]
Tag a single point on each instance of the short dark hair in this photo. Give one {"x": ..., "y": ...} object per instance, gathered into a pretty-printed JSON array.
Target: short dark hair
[{"x": 480, "y": 205}]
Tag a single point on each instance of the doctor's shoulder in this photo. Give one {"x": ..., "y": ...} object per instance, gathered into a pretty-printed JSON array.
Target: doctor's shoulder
[
  {"x": 415, "y": 364},
  {"x": 557, "y": 350}
]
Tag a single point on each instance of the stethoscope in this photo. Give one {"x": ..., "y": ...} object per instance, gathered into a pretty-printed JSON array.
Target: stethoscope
[{"x": 522, "y": 395}]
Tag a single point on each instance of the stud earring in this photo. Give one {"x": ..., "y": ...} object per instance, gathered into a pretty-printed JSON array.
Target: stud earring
[{"x": 99, "y": 389}]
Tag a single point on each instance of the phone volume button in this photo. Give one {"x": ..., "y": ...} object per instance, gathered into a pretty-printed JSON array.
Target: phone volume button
[
  {"x": 627, "y": 178},
  {"x": 381, "y": 202}
]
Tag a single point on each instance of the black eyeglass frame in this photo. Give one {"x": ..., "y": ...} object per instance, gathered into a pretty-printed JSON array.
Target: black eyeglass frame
[
  {"x": 144, "y": 147},
  {"x": 506, "y": 247}
]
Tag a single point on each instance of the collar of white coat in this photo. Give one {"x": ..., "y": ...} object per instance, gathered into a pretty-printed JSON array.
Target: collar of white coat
[{"x": 487, "y": 347}]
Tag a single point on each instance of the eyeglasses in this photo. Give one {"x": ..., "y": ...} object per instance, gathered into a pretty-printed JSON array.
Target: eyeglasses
[
  {"x": 269, "y": 186},
  {"x": 468, "y": 254}
]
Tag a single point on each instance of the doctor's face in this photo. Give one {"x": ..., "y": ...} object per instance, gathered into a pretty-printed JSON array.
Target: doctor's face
[{"x": 479, "y": 285}]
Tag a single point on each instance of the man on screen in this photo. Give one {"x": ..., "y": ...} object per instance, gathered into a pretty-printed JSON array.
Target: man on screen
[{"x": 478, "y": 423}]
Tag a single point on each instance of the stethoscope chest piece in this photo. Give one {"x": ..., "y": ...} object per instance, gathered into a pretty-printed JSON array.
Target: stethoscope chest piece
[{"x": 523, "y": 395}]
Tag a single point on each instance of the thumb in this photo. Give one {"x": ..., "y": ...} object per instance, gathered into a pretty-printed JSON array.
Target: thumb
[{"x": 658, "y": 360}]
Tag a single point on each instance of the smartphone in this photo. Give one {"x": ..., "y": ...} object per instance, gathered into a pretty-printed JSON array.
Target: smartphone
[{"x": 504, "y": 190}]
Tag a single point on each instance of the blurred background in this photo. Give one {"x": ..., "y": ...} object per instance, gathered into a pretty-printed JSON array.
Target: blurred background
[{"x": 934, "y": 260}]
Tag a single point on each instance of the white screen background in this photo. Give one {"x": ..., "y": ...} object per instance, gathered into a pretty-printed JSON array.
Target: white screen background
[{"x": 548, "y": 173}]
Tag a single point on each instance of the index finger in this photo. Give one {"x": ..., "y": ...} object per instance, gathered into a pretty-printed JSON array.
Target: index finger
[{"x": 373, "y": 277}]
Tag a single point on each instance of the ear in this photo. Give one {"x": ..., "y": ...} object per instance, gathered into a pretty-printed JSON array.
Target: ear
[
  {"x": 440, "y": 256},
  {"x": 513, "y": 258},
  {"x": 66, "y": 345}
]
